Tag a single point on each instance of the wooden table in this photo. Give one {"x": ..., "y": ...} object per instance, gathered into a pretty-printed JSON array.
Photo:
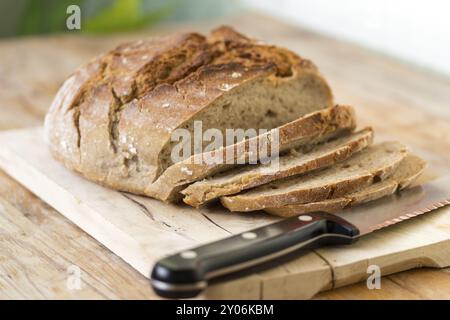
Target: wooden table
[{"x": 38, "y": 245}]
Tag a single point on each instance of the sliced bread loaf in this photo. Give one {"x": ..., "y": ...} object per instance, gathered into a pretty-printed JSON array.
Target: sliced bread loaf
[
  {"x": 409, "y": 169},
  {"x": 308, "y": 130},
  {"x": 236, "y": 180},
  {"x": 113, "y": 119},
  {"x": 375, "y": 163}
]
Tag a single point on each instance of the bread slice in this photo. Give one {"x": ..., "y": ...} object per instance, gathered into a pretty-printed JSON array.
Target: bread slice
[
  {"x": 409, "y": 169},
  {"x": 113, "y": 119},
  {"x": 375, "y": 163},
  {"x": 234, "y": 181},
  {"x": 308, "y": 130}
]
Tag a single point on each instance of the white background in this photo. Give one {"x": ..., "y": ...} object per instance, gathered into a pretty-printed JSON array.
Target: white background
[{"x": 417, "y": 31}]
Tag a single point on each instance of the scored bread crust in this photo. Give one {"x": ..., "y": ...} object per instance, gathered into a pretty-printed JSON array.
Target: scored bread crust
[
  {"x": 112, "y": 119},
  {"x": 308, "y": 130},
  {"x": 234, "y": 181},
  {"x": 407, "y": 172},
  {"x": 375, "y": 163}
]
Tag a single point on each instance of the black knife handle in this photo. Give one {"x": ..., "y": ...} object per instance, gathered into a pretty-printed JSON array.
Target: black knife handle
[{"x": 185, "y": 274}]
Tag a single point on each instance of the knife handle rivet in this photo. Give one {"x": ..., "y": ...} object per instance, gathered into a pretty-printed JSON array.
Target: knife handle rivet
[
  {"x": 305, "y": 218},
  {"x": 249, "y": 235},
  {"x": 188, "y": 254}
]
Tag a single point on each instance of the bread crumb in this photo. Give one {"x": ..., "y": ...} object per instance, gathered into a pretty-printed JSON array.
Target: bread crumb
[
  {"x": 226, "y": 86},
  {"x": 202, "y": 92},
  {"x": 132, "y": 149},
  {"x": 186, "y": 170},
  {"x": 64, "y": 145},
  {"x": 236, "y": 75}
]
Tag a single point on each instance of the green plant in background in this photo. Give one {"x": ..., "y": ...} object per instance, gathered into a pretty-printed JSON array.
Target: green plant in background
[
  {"x": 126, "y": 15},
  {"x": 37, "y": 18},
  {"x": 44, "y": 16},
  {"x": 25, "y": 17}
]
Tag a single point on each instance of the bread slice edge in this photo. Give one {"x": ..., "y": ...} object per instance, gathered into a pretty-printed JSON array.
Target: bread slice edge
[
  {"x": 402, "y": 178},
  {"x": 310, "y": 129},
  {"x": 234, "y": 181},
  {"x": 347, "y": 176}
]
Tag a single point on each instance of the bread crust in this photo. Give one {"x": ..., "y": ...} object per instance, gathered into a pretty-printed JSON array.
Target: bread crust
[
  {"x": 407, "y": 172},
  {"x": 109, "y": 122},
  {"x": 375, "y": 163},
  {"x": 309, "y": 130},
  {"x": 321, "y": 156}
]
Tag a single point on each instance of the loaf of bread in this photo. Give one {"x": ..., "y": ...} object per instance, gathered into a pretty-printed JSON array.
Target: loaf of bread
[
  {"x": 116, "y": 121},
  {"x": 112, "y": 120}
]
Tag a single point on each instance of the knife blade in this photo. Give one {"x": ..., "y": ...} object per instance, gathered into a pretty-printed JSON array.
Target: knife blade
[{"x": 186, "y": 274}]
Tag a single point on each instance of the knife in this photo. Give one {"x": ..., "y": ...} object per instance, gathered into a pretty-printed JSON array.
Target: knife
[{"x": 186, "y": 274}]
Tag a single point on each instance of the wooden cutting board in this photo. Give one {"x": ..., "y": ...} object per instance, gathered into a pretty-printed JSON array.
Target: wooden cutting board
[{"x": 141, "y": 230}]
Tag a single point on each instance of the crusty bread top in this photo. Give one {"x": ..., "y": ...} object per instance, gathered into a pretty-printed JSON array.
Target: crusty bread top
[
  {"x": 374, "y": 163},
  {"x": 116, "y": 104}
]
